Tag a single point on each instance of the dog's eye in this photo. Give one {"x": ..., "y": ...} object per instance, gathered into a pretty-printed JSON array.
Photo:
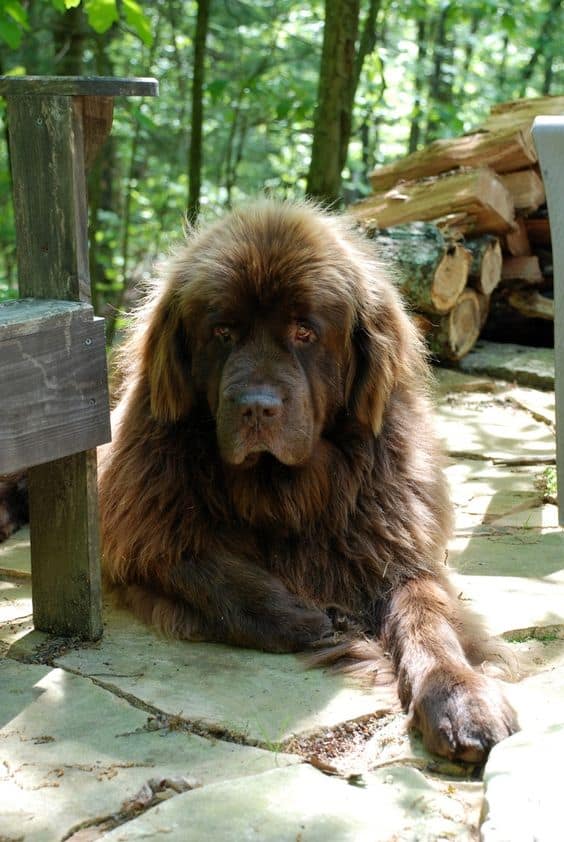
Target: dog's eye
[
  {"x": 302, "y": 333},
  {"x": 223, "y": 332}
]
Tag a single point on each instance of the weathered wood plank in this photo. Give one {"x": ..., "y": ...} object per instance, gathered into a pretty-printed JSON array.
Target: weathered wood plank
[
  {"x": 77, "y": 86},
  {"x": 97, "y": 116},
  {"x": 47, "y": 155},
  {"x": 48, "y": 172},
  {"x": 65, "y": 569},
  {"x": 53, "y": 382}
]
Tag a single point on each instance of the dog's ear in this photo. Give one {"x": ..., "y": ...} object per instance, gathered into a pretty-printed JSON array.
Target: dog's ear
[
  {"x": 167, "y": 360},
  {"x": 387, "y": 354}
]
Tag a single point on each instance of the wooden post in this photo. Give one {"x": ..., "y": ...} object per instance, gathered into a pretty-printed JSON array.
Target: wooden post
[
  {"x": 548, "y": 134},
  {"x": 56, "y": 125}
]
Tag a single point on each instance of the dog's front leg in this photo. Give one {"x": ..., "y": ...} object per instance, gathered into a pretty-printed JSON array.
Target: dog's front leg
[
  {"x": 235, "y": 601},
  {"x": 460, "y": 713}
]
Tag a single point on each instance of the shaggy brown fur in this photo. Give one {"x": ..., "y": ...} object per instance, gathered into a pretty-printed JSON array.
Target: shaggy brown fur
[
  {"x": 274, "y": 474},
  {"x": 13, "y": 504}
]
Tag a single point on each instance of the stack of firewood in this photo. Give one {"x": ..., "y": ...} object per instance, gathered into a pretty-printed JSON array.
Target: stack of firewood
[{"x": 464, "y": 224}]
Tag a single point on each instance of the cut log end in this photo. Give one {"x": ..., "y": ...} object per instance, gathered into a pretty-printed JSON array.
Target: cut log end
[
  {"x": 457, "y": 333},
  {"x": 490, "y": 274},
  {"x": 450, "y": 278}
]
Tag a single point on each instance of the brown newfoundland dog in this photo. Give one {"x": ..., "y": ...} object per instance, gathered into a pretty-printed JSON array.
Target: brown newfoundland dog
[{"x": 274, "y": 480}]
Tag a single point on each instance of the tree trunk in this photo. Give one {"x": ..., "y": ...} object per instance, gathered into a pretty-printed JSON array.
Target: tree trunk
[
  {"x": 69, "y": 34},
  {"x": 441, "y": 82},
  {"x": 101, "y": 194},
  {"x": 417, "y": 113},
  {"x": 333, "y": 117},
  {"x": 195, "y": 152},
  {"x": 550, "y": 24}
]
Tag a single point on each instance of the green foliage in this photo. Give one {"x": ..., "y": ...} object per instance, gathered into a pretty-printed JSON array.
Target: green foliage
[
  {"x": 101, "y": 14},
  {"x": 13, "y": 22}
]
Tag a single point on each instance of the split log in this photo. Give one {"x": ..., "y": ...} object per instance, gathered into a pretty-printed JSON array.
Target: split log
[
  {"x": 430, "y": 269},
  {"x": 505, "y": 323},
  {"x": 478, "y": 194},
  {"x": 485, "y": 268},
  {"x": 517, "y": 241},
  {"x": 504, "y": 151},
  {"x": 484, "y": 305},
  {"x": 526, "y": 189},
  {"x": 454, "y": 335},
  {"x": 538, "y": 230},
  {"x": 532, "y": 304},
  {"x": 521, "y": 112},
  {"x": 524, "y": 269}
]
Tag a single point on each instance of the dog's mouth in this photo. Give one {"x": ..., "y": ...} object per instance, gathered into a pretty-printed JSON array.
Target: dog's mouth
[{"x": 248, "y": 452}]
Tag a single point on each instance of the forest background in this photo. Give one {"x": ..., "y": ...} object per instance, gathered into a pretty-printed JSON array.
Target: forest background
[{"x": 259, "y": 96}]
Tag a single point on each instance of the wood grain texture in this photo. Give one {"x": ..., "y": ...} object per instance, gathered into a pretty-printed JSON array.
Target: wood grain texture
[
  {"x": 48, "y": 173},
  {"x": 40, "y": 86},
  {"x": 503, "y": 151},
  {"x": 452, "y": 336},
  {"x": 65, "y": 549},
  {"x": 430, "y": 269},
  {"x": 97, "y": 116},
  {"x": 476, "y": 196},
  {"x": 47, "y": 121},
  {"x": 53, "y": 380}
]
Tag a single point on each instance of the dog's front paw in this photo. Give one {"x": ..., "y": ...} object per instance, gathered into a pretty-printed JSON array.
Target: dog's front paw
[
  {"x": 461, "y": 715},
  {"x": 297, "y": 626}
]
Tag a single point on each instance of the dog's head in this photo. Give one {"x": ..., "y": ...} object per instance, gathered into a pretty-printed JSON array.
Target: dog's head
[{"x": 280, "y": 321}]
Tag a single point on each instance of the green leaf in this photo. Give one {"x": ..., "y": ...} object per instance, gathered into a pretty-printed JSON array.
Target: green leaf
[
  {"x": 10, "y": 33},
  {"x": 16, "y": 12},
  {"x": 101, "y": 14},
  {"x": 283, "y": 108},
  {"x": 137, "y": 21},
  {"x": 216, "y": 88},
  {"x": 145, "y": 121},
  {"x": 71, "y": 4}
]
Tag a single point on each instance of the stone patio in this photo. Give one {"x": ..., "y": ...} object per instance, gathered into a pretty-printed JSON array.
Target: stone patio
[{"x": 137, "y": 737}]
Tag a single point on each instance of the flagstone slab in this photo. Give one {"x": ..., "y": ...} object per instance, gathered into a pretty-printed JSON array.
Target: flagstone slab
[
  {"x": 523, "y": 787},
  {"x": 485, "y": 494},
  {"x": 15, "y": 555},
  {"x": 509, "y": 603},
  {"x": 538, "y": 696},
  {"x": 72, "y": 753},
  {"x": 15, "y": 610},
  {"x": 447, "y": 380},
  {"x": 484, "y": 427},
  {"x": 542, "y": 405},
  {"x": 301, "y": 803},
  {"x": 254, "y": 696},
  {"x": 515, "y": 363},
  {"x": 526, "y": 553}
]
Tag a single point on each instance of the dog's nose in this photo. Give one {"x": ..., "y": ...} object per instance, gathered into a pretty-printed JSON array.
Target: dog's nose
[{"x": 259, "y": 406}]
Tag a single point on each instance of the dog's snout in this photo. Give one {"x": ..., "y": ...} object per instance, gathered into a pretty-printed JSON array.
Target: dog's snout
[{"x": 259, "y": 406}]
